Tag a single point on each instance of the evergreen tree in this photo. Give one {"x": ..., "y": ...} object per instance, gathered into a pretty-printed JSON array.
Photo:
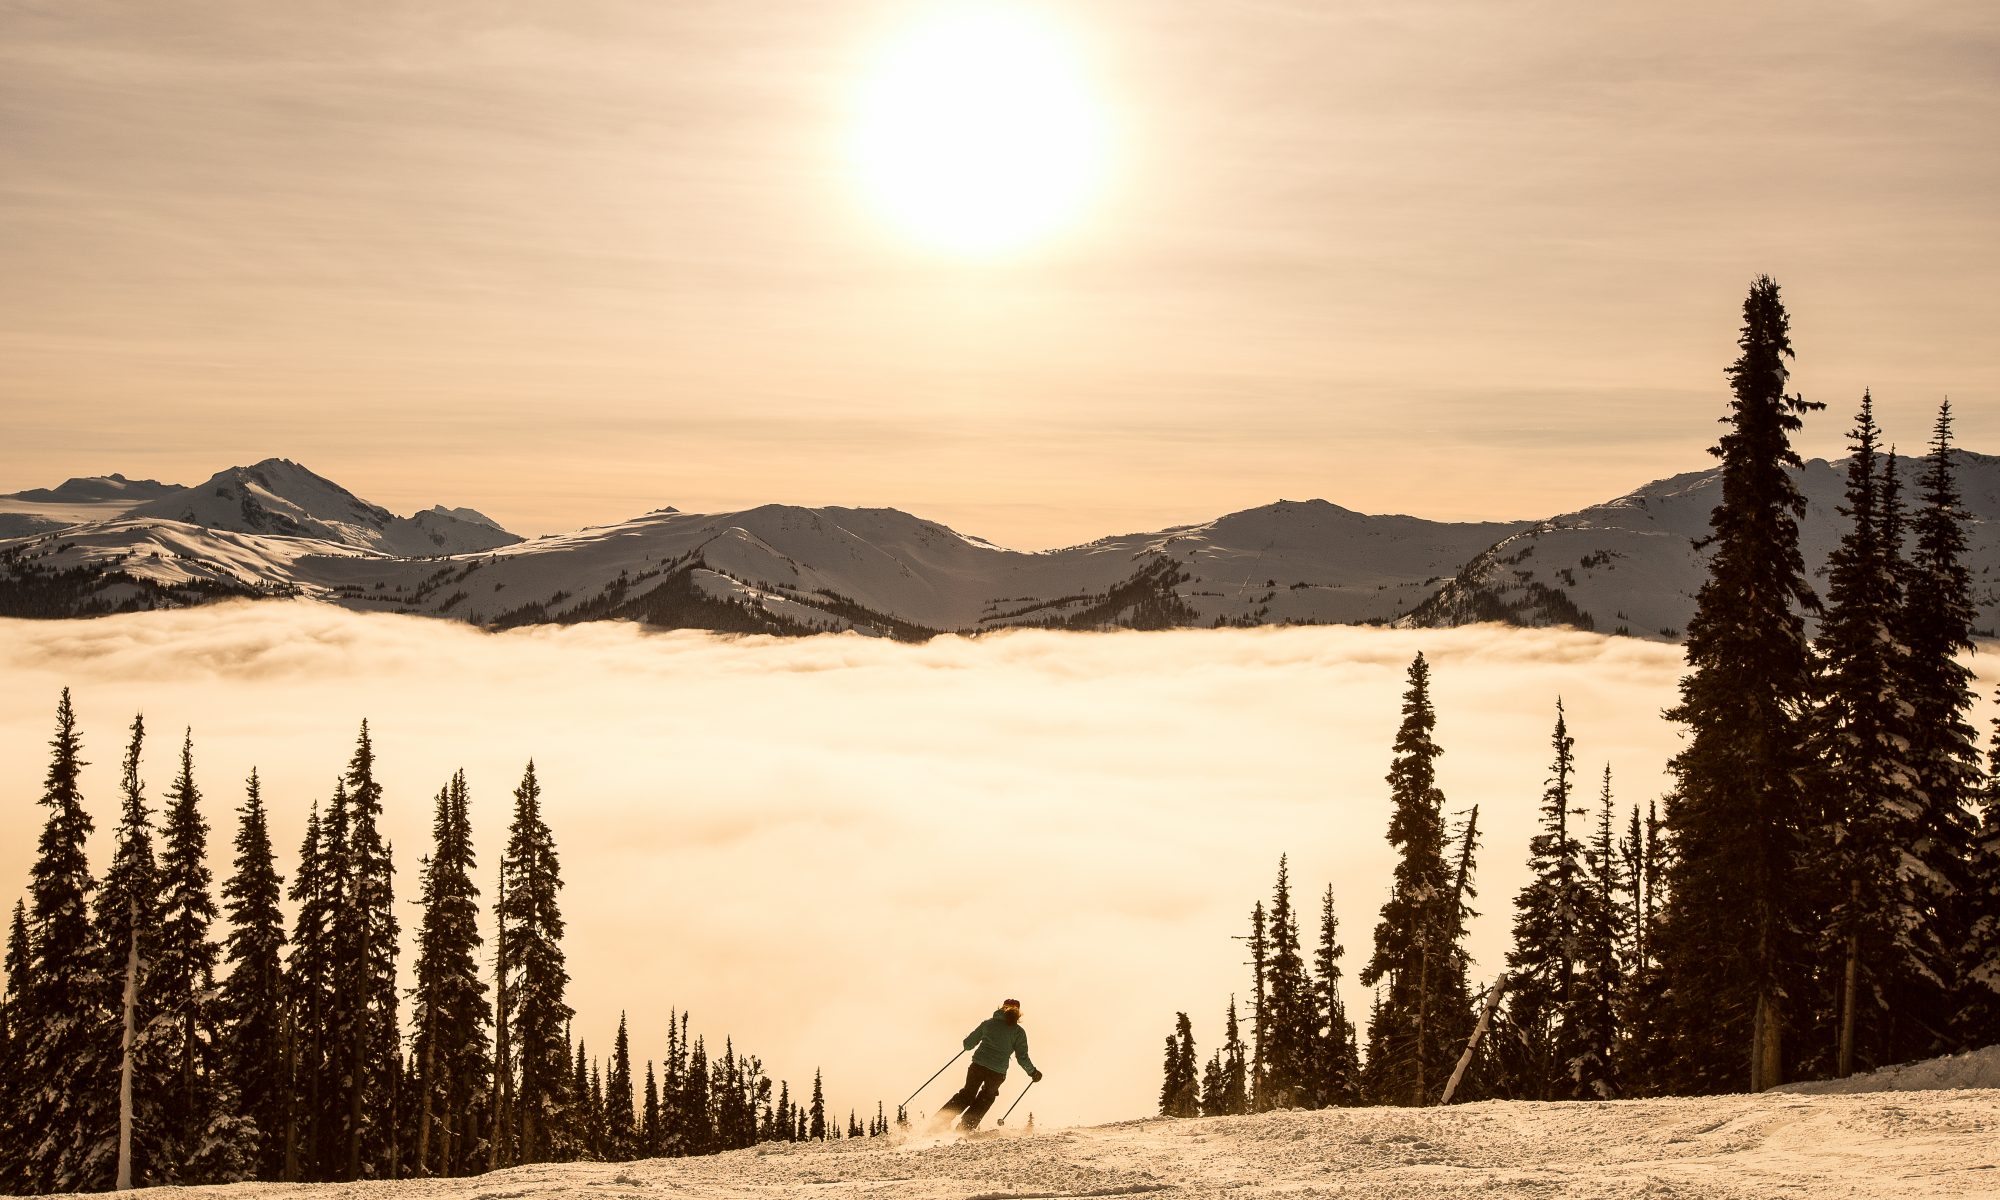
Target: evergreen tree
[
  {"x": 1646, "y": 1050},
  {"x": 1289, "y": 1045},
  {"x": 309, "y": 991},
  {"x": 1337, "y": 1058},
  {"x": 448, "y": 1001},
  {"x": 212, "y": 1141},
  {"x": 1541, "y": 966},
  {"x": 1591, "y": 1019},
  {"x": 363, "y": 1026},
  {"x": 128, "y": 938},
  {"x": 619, "y": 1134},
  {"x": 1734, "y": 942},
  {"x": 531, "y": 964},
  {"x": 1235, "y": 1067},
  {"x": 1179, "y": 1096},
  {"x": 649, "y": 1125},
  {"x": 1420, "y": 1024},
  {"x": 816, "y": 1128},
  {"x": 1980, "y": 1018},
  {"x": 58, "y": 1017},
  {"x": 14, "y": 1091},
  {"x": 253, "y": 997},
  {"x": 1880, "y": 933},
  {"x": 1936, "y": 625},
  {"x": 1260, "y": 1010},
  {"x": 1213, "y": 1085}
]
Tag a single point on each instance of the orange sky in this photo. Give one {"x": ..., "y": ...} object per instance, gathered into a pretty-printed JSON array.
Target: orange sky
[{"x": 568, "y": 262}]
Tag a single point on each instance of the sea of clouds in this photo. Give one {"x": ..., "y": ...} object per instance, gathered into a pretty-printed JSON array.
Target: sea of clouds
[{"x": 844, "y": 851}]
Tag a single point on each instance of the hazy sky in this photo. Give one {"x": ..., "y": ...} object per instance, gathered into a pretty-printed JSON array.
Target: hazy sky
[{"x": 566, "y": 262}]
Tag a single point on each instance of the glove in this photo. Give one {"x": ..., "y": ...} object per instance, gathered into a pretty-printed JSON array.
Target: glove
[{"x": 1037, "y": 1077}]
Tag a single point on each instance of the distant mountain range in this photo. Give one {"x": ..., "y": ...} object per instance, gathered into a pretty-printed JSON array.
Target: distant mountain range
[{"x": 1628, "y": 566}]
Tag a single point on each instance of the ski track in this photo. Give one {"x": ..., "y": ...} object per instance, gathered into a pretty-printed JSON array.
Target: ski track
[{"x": 1934, "y": 1144}]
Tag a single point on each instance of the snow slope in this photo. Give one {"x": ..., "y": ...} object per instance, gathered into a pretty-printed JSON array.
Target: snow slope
[
  {"x": 1973, "y": 1069},
  {"x": 1631, "y": 565},
  {"x": 1881, "y": 1145}
]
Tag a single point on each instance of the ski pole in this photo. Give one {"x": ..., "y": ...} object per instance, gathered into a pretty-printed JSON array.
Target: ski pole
[
  {"x": 941, "y": 1070},
  {"x": 1017, "y": 1102}
]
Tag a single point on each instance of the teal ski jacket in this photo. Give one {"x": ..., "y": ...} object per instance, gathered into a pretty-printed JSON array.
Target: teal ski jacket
[{"x": 996, "y": 1041}]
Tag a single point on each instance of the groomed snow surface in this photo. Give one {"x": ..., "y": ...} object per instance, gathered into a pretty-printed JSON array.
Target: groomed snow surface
[{"x": 1879, "y": 1144}]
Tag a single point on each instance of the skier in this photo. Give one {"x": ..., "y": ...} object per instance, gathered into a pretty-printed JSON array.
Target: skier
[{"x": 997, "y": 1038}]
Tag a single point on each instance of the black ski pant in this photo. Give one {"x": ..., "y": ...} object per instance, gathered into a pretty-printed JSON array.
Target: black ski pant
[{"x": 969, "y": 1104}]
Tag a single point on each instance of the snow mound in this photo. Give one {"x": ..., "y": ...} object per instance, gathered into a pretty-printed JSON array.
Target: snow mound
[
  {"x": 1709, "y": 1147},
  {"x": 1973, "y": 1069}
]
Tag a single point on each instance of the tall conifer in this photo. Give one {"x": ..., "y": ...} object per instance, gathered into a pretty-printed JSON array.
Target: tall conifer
[
  {"x": 1423, "y": 1013},
  {"x": 253, "y": 997},
  {"x": 1937, "y": 620},
  {"x": 448, "y": 1004},
  {"x": 534, "y": 973},
  {"x": 1734, "y": 942},
  {"x": 1541, "y": 967},
  {"x": 1337, "y": 1060},
  {"x": 1180, "y": 1089},
  {"x": 128, "y": 939}
]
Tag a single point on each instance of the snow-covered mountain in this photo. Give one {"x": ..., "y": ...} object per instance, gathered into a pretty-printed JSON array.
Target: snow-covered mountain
[
  {"x": 279, "y": 497},
  {"x": 78, "y": 501},
  {"x": 1630, "y": 565}
]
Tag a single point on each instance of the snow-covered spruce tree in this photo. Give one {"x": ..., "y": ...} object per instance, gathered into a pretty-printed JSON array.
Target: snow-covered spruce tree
[
  {"x": 1936, "y": 625},
  {"x": 531, "y": 963},
  {"x": 1288, "y": 1047},
  {"x": 1179, "y": 1089},
  {"x": 309, "y": 982},
  {"x": 363, "y": 1025},
  {"x": 1734, "y": 943},
  {"x": 57, "y": 1022},
  {"x": 252, "y": 1000},
  {"x": 212, "y": 1140},
  {"x": 1423, "y": 1017},
  {"x": 620, "y": 1136},
  {"x": 127, "y": 933},
  {"x": 448, "y": 1006},
  {"x": 1880, "y": 939},
  {"x": 1592, "y": 1033},
  {"x": 816, "y": 1127},
  {"x": 1336, "y": 1056},
  {"x": 1541, "y": 966}
]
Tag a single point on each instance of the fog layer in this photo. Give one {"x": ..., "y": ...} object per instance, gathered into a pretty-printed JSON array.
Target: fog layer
[{"x": 844, "y": 852}]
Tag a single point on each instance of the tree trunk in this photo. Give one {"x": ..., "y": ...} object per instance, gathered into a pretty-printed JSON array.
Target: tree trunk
[
  {"x": 125, "y": 1065},
  {"x": 1472, "y": 1044},
  {"x": 1850, "y": 991},
  {"x": 427, "y": 1082}
]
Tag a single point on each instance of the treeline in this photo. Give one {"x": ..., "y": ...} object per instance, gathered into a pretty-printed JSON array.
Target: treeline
[
  {"x": 136, "y": 1049},
  {"x": 1818, "y": 894}
]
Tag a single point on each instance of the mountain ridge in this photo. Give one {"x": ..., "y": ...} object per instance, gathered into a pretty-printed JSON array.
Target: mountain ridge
[{"x": 1628, "y": 565}]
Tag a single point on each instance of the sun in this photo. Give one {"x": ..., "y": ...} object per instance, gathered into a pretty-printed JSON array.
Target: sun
[{"x": 977, "y": 132}]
